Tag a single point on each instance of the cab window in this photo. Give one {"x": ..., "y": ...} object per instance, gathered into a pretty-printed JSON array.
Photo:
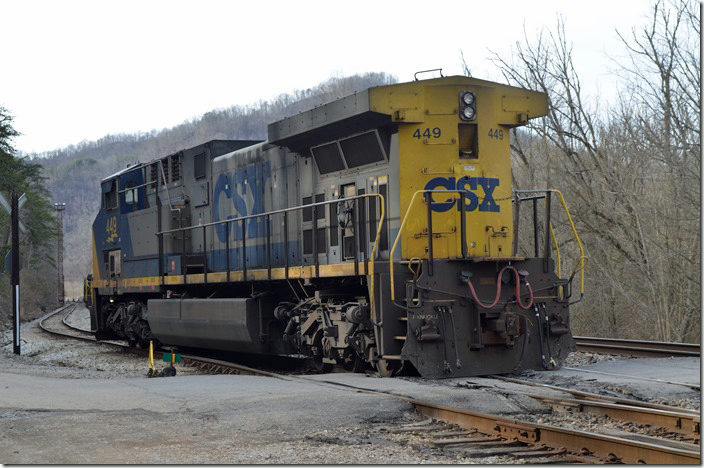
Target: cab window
[{"x": 110, "y": 195}]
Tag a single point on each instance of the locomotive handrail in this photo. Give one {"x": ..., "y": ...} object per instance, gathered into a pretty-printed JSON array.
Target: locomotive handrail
[
  {"x": 242, "y": 218},
  {"x": 284, "y": 211},
  {"x": 166, "y": 187},
  {"x": 428, "y": 193},
  {"x": 581, "y": 262}
]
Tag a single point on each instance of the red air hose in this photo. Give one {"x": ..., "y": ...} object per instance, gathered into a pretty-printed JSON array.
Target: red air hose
[{"x": 498, "y": 291}]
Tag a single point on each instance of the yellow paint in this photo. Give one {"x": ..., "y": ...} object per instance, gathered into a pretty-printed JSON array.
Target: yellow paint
[
  {"x": 298, "y": 272},
  {"x": 151, "y": 366},
  {"x": 95, "y": 266},
  {"x": 429, "y": 147},
  {"x": 111, "y": 229}
]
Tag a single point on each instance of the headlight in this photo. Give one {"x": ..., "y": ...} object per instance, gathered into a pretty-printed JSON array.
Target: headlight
[{"x": 468, "y": 105}]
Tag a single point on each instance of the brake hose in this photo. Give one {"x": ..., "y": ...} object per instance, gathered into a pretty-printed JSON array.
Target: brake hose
[{"x": 498, "y": 291}]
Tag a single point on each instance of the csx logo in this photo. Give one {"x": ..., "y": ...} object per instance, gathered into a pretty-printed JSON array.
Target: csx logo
[
  {"x": 471, "y": 185},
  {"x": 240, "y": 193}
]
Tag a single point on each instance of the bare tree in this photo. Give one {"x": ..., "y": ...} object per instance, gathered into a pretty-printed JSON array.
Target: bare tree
[{"x": 631, "y": 171}]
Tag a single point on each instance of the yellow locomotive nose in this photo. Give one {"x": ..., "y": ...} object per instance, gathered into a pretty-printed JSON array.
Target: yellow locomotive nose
[{"x": 453, "y": 135}]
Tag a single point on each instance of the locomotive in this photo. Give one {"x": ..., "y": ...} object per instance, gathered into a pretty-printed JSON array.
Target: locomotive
[{"x": 377, "y": 231}]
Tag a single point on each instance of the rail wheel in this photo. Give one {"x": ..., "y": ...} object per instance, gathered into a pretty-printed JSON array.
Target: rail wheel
[
  {"x": 387, "y": 368},
  {"x": 352, "y": 362},
  {"x": 318, "y": 351}
]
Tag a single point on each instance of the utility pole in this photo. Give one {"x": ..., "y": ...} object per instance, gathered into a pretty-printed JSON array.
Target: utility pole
[
  {"x": 60, "y": 207},
  {"x": 15, "y": 280}
]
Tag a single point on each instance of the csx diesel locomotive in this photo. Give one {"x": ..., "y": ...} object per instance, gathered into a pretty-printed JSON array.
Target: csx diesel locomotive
[{"x": 379, "y": 231}]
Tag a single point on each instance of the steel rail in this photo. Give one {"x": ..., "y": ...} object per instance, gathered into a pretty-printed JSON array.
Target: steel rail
[
  {"x": 73, "y": 327},
  {"x": 608, "y": 447},
  {"x": 582, "y": 395},
  {"x": 636, "y": 348},
  {"x": 684, "y": 423},
  {"x": 45, "y": 328},
  {"x": 679, "y": 420}
]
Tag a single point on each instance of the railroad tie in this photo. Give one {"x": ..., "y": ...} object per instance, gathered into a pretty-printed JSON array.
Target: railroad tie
[
  {"x": 467, "y": 440},
  {"x": 425, "y": 422},
  {"x": 540, "y": 451},
  {"x": 458, "y": 432},
  {"x": 491, "y": 451}
]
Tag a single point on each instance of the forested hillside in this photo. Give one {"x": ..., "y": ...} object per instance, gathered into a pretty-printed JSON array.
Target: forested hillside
[{"x": 74, "y": 173}]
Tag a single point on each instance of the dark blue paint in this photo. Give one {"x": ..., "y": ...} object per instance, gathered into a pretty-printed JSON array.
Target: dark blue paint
[{"x": 470, "y": 185}]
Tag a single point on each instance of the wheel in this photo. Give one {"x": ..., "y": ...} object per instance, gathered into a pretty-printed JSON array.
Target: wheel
[
  {"x": 352, "y": 362},
  {"x": 386, "y": 368},
  {"x": 169, "y": 371},
  {"x": 318, "y": 351},
  {"x": 320, "y": 366}
]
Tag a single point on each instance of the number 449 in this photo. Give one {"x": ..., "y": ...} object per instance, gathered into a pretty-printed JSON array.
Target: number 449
[
  {"x": 427, "y": 133},
  {"x": 496, "y": 133}
]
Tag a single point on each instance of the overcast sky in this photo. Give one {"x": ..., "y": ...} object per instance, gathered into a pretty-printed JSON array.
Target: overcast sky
[{"x": 79, "y": 70}]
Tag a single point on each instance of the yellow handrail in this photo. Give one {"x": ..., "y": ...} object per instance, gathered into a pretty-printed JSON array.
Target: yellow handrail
[
  {"x": 557, "y": 250},
  {"x": 557, "y": 254},
  {"x": 582, "y": 260},
  {"x": 398, "y": 236},
  {"x": 400, "y": 231}
]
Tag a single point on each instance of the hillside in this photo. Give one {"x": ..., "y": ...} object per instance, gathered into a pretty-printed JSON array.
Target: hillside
[{"x": 75, "y": 172}]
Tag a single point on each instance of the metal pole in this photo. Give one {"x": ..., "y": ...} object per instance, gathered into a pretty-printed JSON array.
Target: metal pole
[
  {"x": 60, "y": 207},
  {"x": 546, "y": 261},
  {"x": 162, "y": 240},
  {"x": 429, "y": 203},
  {"x": 315, "y": 240},
  {"x": 463, "y": 223},
  {"x": 268, "y": 245},
  {"x": 244, "y": 250},
  {"x": 516, "y": 223},
  {"x": 205, "y": 257},
  {"x": 355, "y": 231},
  {"x": 536, "y": 241},
  {"x": 227, "y": 249},
  {"x": 15, "y": 280},
  {"x": 286, "y": 243}
]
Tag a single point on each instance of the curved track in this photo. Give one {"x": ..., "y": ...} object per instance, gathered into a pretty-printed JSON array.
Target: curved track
[{"x": 47, "y": 324}]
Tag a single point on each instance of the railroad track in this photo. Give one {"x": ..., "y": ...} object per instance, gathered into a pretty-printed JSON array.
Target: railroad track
[
  {"x": 567, "y": 444},
  {"x": 476, "y": 434},
  {"x": 636, "y": 348},
  {"x": 49, "y": 323},
  {"x": 681, "y": 421}
]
